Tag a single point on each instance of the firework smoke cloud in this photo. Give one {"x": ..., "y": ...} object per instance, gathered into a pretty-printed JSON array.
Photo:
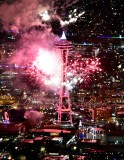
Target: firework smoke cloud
[
  {"x": 22, "y": 14},
  {"x": 32, "y": 118},
  {"x": 36, "y": 52}
]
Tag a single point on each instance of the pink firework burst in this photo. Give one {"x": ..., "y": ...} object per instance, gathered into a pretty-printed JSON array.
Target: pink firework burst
[
  {"x": 47, "y": 62},
  {"x": 46, "y": 69},
  {"x": 81, "y": 70}
]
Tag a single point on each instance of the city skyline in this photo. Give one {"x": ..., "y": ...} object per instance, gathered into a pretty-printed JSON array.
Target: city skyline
[{"x": 61, "y": 79}]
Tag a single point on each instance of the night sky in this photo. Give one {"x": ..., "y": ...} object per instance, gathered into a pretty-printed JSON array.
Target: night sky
[{"x": 101, "y": 17}]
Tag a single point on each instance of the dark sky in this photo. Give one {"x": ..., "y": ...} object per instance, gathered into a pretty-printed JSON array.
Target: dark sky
[{"x": 102, "y": 17}]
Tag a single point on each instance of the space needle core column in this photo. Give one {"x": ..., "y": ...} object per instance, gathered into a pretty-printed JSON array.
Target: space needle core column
[{"x": 64, "y": 107}]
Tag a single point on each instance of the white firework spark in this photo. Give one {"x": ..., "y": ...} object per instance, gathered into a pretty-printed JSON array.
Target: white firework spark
[{"x": 72, "y": 18}]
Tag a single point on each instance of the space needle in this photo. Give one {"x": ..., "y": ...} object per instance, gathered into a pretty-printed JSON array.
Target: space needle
[{"x": 64, "y": 110}]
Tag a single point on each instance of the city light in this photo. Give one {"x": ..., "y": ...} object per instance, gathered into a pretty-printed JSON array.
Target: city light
[{"x": 61, "y": 79}]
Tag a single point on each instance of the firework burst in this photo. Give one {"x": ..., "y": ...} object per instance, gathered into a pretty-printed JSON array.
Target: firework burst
[{"x": 46, "y": 69}]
